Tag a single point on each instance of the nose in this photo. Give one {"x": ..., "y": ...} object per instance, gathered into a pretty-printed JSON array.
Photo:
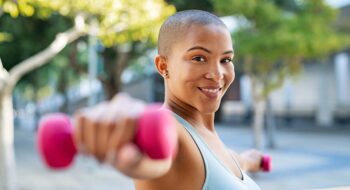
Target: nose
[{"x": 215, "y": 72}]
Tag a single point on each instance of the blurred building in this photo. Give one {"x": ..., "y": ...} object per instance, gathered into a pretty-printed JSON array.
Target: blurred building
[{"x": 321, "y": 93}]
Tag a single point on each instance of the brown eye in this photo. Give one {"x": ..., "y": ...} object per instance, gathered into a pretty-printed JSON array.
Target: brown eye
[
  {"x": 226, "y": 60},
  {"x": 198, "y": 59}
]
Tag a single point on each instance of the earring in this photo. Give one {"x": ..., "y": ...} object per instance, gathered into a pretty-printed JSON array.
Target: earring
[{"x": 166, "y": 74}]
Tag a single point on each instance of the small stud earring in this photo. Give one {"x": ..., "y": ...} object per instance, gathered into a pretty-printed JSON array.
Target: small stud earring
[{"x": 166, "y": 74}]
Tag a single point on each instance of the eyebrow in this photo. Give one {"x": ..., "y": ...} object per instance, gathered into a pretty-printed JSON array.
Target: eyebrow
[{"x": 208, "y": 51}]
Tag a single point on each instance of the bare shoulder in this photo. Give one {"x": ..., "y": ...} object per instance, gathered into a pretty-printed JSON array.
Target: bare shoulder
[{"x": 187, "y": 170}]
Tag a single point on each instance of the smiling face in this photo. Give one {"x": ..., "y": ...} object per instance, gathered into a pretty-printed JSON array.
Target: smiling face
[{"x": 200, "y": 68}]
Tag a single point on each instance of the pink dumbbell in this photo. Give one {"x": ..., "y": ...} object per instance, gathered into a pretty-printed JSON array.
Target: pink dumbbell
[
  {"x": 265, "y": 163},
  {"x": 156, "y": 136}
]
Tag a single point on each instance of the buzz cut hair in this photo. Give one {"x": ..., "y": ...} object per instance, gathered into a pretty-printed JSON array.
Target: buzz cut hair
[{"x": 177, "y": 25}]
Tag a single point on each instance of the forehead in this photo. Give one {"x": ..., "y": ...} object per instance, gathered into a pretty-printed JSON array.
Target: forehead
[{"x": 213, "y": 37}]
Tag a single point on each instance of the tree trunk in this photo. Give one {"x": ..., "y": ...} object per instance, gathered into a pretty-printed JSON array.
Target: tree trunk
[
  {"x": 7, "y": 155},
  {"x": 114, "y": 68},
  {"x": 8, "y": 82},
  {"x": 62, "y": 88},
  {"x": 324, "y": 115},
  {"x": 259, "y": 105},
  {"x": 41, "y": 58},
  {"x": 258, "y": 125},
  {"x": 36, "y": 100},
  {"x": 270, "y": 125}
]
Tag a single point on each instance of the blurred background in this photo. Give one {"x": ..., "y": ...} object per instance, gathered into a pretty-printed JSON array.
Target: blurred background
[{"x": 290, "y": 98}]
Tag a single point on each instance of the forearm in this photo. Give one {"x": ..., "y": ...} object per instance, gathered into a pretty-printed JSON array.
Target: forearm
[
  {"x": 244, "y": 163},
  {"x": 148, "y": 169},
  {"x": 250, "y": 160}
]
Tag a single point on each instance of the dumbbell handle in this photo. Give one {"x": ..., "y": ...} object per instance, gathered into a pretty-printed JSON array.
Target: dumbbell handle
[{"x": 155, "y": 135}]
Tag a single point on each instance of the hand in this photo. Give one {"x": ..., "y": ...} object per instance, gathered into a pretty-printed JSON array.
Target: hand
[
  {"x": 251, "y": 160},
  {"x": 107, "y": 132}
]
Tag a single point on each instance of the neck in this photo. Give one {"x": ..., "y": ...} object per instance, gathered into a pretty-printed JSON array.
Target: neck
[{"x": 191, "y": 114}]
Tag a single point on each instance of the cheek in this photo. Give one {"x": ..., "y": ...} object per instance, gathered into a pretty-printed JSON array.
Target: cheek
[
  {"x": 189, "y": 73},
  {"x": 233, "y": 76},
  {"x": 182, "y": 77},
  {"x": 230, "y": 76},
  {"x": 189, "y": 82},
  {"x": 192, "y": 77}
]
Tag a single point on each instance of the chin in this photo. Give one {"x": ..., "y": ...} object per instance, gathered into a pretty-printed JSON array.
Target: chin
[{"x": 209, "y": 109}]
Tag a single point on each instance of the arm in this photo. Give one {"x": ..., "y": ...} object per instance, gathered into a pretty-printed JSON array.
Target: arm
[
  {"x": 107, "y": 133},
  {"x": 249, "y": 160},
  {"x": 131, "y": 162}
]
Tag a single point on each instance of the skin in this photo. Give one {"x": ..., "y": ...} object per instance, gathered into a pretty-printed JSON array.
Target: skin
[{"x": 201, "y": 60}]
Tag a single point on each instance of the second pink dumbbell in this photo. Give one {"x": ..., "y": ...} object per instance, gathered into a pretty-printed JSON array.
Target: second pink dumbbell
[{"x": 265, "y": 163}]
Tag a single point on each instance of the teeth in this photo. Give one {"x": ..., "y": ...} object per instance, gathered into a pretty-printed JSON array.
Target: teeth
[{"x": 211, "y": 90}]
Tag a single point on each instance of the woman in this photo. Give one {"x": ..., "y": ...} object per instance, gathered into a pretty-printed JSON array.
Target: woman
[{"x": 195, "y": 59}]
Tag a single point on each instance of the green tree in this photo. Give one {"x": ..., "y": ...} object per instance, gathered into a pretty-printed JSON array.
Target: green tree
[
  {"x": 275, "y": 39},
  {"x": 29, "y": 36},
  {"x": 5, "y": 37},
  {"x": 111, "y": 21}
]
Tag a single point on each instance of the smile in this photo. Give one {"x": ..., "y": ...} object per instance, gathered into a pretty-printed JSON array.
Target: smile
[{"x": 211, "y": 92}]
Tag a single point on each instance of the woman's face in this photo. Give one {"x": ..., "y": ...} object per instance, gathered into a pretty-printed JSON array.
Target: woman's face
[{"x": 200, "y": 68}]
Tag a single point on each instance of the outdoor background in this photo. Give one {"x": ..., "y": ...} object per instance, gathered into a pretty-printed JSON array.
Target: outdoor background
[{"x": 290, "y": 98}]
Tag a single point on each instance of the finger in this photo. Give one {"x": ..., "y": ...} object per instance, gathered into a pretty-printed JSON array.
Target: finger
[
  {"x": 79, "y": 121},
  {"x": 91, "y": 123},
  {"x": 128, "y": 157},
  {"x": 126, "y": 133},
  {"x": 121, "y": 135},
  {"x": 108, "y": 125},
  {"x": 78, "y": 136},
  {"x": 89, "y": 135},
  {"x": 102, "y": 135}
]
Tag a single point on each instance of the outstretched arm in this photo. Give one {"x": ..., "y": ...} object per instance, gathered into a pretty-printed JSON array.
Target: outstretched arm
[
  {"x": 249, "y": 160},
  {"x": 107, "y": 132}
]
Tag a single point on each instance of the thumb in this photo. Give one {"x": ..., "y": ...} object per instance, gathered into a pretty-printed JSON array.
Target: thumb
[{"x": 128, "y": 157}]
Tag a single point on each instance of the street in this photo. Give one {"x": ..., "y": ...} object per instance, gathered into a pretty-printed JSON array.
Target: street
[{"x": 303, "y": 159}]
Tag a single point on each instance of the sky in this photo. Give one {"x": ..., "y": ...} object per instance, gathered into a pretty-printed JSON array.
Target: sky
[{"x": 338, "y": 3}]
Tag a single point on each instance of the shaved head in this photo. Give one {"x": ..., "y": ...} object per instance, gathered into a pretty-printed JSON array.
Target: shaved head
[{"x": 177, "y": 25}]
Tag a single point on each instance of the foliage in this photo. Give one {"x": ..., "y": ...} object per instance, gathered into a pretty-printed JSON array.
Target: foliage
[
  {"x": 5, "y": 37},
  {"x": 278, "y": 35},
  {"x": 29, "y": 35},
  {"x": 34, "y": 23},
  {"x": 116, "y": 21}
]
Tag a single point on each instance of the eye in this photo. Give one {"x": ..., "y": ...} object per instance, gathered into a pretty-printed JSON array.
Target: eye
[
  {"x": 226, "y": 60},
  {"x": 199, "y": 59}
]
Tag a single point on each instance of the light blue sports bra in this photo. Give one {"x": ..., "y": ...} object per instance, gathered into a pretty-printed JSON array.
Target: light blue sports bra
[{"x": 218, "y": 177}]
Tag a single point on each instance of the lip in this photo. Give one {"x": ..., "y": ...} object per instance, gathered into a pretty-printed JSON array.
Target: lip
[{"x": 211, "y": 92}]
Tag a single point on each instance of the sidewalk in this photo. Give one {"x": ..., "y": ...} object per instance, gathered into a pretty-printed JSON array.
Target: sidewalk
[{"x": 302, "y": 160}]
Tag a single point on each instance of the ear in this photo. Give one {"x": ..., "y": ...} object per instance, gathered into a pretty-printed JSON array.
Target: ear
[{"x": 161, "y": 65}]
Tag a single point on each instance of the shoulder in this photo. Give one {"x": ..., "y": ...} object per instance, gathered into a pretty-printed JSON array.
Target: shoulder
[
  {"x": 187, "y": 166},
  {"x": 189, "y": 162}
]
